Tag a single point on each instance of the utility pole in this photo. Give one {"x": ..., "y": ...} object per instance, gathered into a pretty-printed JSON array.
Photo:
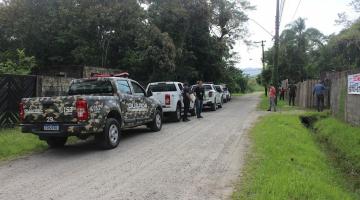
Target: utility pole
[
  {"x": 263, "y": 51},
  {"x": 263, "y": 60},
  {"x": 275, "y": 72}
]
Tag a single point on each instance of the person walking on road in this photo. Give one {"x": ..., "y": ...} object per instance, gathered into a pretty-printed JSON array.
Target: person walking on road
[
  {"x": 319, "y": 91},
  {"x": 199, "y": 92},
  {"x": 292, "y": 94},
  {"x": 186, "y": 101},
  {"x": 272, "y": 97}
]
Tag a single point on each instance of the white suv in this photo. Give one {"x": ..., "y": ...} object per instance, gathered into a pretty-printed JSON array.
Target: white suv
[
  {"x": 212, "y": 98},
  {"x": 169, "y": 94},
  {"x": 220, "y": 89}
]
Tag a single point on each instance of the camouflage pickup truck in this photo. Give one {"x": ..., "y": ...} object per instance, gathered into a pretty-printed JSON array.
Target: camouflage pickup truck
[{"x": 100, "y": 106}]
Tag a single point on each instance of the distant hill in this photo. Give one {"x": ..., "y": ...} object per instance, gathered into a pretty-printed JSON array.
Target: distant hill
[{"x": 252, "y": 71}]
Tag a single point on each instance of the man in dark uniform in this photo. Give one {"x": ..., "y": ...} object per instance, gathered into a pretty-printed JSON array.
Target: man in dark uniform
[
  {"x": 186, "y": 101},
  {"x": 292, "y": 94},
  {"x": 199, "y": 91}
]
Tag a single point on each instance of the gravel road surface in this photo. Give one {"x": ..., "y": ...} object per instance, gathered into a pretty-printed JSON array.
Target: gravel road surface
[{"x": 200, "y": 159}]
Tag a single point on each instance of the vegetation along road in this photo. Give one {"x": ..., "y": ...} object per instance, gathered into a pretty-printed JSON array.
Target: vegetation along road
[{"x": 196, "y": 160}]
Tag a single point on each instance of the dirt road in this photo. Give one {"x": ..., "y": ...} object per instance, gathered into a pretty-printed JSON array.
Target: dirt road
[{"x": 200, "y": 159}]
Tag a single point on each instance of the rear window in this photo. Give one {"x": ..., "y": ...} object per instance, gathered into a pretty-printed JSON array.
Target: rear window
[
  {"x": 163, "y": 87},
  {"x": 207, "y": 87},
  {"x": 91, "y": 87}
]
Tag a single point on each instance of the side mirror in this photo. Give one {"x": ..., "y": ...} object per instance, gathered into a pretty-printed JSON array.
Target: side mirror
[{"x": 149, "y": 93}]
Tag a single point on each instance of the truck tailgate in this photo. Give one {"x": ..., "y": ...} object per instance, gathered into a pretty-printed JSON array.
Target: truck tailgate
[{"x": 50, "y": 109}]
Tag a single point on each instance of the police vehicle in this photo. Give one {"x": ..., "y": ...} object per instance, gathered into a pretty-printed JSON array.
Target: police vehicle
[{"x": 102, "y": 105}]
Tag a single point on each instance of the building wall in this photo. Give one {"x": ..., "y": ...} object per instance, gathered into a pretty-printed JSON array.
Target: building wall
[
  {"x": 88, "y": 70},
  {"x": 53, "y": 86}
]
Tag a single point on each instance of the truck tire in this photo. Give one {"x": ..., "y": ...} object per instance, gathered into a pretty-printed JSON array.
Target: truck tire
[
  {"x": 110, "y": 137},
  {"x": 176, "y": 116},
  {"x": 156, "y": 124},
  {"x": 56, "y": 142}
]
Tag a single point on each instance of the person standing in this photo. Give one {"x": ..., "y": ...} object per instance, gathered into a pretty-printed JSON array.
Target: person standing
[
  {"x": 282, "y": 93},
  {"x": 186, "y": 101},
  {"x": 319, "y": 91},
  {"x": 292, "y": 94},
  {"x": 272, "y": 97},
  {"x": 199, "y": 92}
]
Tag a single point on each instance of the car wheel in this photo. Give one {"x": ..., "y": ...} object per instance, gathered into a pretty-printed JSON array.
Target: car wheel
[
  {"x": 214, "y": 106},
  {"x": 177, "y": 114},
  {"x": 56, "y": 142},
  {"x": 156, "y": 124},
  {"x": 110, "y": 138},
  {"x": 221, "y": 104}
]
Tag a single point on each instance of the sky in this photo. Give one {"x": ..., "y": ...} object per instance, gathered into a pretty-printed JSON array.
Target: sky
[{"x": 320, "y": 14}]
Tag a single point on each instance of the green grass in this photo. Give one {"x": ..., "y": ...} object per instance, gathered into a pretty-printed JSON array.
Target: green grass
[
  {"x": 13, "y": 143},
  {"x": 342, "y": 141},
  {"x": 237, "y": 94},
  {"x": 253, "y": 86},
  {"x": 287, "y": 163},
  {"x": 282, "y": 105}
]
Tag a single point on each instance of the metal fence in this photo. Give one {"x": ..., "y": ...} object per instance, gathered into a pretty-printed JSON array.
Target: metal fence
[{"x": 12, "y": 89}]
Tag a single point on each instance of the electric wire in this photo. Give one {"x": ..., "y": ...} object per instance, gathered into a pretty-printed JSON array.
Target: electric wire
[{"x": 297, "y": 8}]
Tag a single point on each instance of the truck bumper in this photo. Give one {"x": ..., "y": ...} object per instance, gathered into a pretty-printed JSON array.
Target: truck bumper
[{"x": 65, "y": 130}]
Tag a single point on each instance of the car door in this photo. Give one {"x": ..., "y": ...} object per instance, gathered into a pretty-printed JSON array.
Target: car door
[
  {"x": 217, "y": 95},
  {"x": 181, "y": 87},
  {"x": 141, "y": 105},
  {"x": 127, "y": 101}
]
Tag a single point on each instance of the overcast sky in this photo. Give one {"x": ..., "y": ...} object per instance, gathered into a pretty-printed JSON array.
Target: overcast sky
[{"x": 320, "y": 14}]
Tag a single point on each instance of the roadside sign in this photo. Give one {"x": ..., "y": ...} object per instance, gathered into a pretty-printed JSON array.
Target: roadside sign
[{"x": 354, "y": 84}]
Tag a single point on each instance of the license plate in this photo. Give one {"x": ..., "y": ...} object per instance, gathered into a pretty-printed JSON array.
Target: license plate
[{"x": 51, "y": 127}]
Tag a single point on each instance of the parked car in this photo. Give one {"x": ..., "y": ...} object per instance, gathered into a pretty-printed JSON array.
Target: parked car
[
  {"x": 169, "y": 94},
  {"x": 227, "y": 93},
  {"x": 220, "y": 89},
  {"x": 212, "y": 98},
  {"x": 100, "y": 106}
]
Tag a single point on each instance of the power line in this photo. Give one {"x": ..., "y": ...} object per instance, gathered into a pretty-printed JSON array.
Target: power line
[
  {"x": 297, "y": 8},
  {"x": 268, "y": 32},
  {"x": 282, "y": 9}
]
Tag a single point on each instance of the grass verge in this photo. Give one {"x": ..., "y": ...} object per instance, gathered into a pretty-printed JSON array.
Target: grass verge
[
  {"x": 286, "y": 163},
  {"x": 13, "y": 143},
  {"x": 282, "y": 105},
  {"x": 341, "y": 142}
]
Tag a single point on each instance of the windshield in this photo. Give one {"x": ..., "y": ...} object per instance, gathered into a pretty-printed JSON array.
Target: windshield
[
  {"x": 163, "y": 87},
  {"x": 91, "y": 87},
  {"x": 225, "y": 89}
]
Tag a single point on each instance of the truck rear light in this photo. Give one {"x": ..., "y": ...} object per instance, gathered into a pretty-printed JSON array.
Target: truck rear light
[
  {"x": 82, "y": 112},
  {"x": 210, "y": 94},
  {"x": 167, "y": 99},
  {"x": 21, "y": 112}
]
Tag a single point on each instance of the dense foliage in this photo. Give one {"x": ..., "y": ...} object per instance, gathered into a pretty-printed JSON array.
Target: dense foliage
[
  {"x": 154, "y": 40},
  {"x": 305, "y": 53}
]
